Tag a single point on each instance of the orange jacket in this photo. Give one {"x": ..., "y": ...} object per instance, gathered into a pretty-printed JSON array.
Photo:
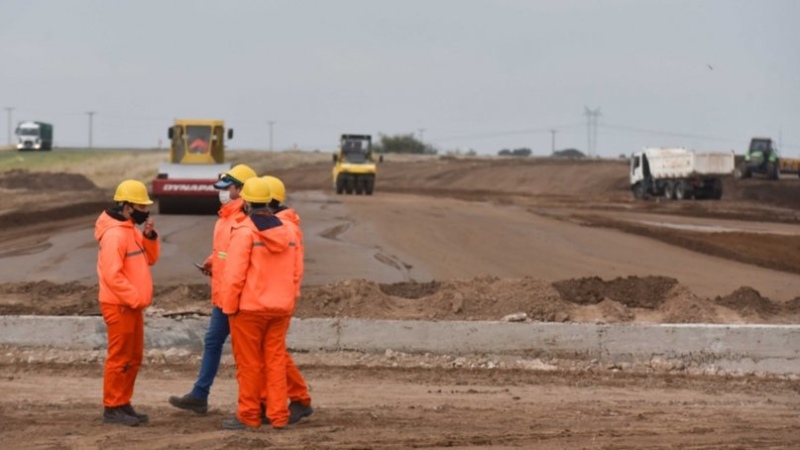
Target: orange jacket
[
  {"x": 289, "y": 216},
  {"x": 260, "y": 272},
  {"x": 123, "y": 262},
  {"x": 229, "y": 215}
]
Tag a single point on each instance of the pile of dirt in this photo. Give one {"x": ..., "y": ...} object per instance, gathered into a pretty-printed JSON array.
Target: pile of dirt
[
  {"x": 749, "y": 302},
  {"x": 784, "y": 193},
  {"x": 45, "y": 181},
  {"x": 683, "y": 306},
  {"x": 623, "y": 300},
  {"x": 482, "y": 298},
  {"x": 633, "y": 292}
]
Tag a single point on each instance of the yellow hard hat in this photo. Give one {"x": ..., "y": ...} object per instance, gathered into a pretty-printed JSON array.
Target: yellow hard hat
[
  {"x": 132, "y": 191},
  {"x": 256, "y": 190},
  {"x": 237, "y": 175},
  {"x": 276, "y": 188}
]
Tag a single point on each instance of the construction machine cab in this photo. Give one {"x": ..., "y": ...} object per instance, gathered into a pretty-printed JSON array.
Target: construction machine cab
[
  {"x": 197, "y": 141},
  {"x": 185, "y": 184},
  {"x": 354, "y": 167},
  {"x": 761, "y": 158}
]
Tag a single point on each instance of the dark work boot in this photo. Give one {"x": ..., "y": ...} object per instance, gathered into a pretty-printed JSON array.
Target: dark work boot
[
  {"x": 234, "y": 424},
  {"x": 189, "y": 403},
  {"x": 297, "y": 411},
  {"x": 119, "y": 416},
  {"x": 143, "y": 418}
]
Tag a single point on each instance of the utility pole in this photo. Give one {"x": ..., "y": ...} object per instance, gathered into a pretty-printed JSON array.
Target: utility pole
[
  {"x": 91, "y": 119},
  {"x": 271, "y": 122},
  {"x": 421, "y": 134},
  {"x": 8, "y": 110},
  {"x": 591, "y": 129},
  {"x": 553, "y": 142}
]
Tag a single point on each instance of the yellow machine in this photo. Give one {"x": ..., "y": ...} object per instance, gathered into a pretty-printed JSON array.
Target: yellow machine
[
  {"x": 197, "y": 157},
  {"x": 354, "y": 167}
]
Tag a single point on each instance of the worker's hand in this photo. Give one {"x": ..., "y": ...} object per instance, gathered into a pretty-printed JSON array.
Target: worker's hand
[
  {"x": 149, "y": 228},
  {"x": 205, "y": 268}
]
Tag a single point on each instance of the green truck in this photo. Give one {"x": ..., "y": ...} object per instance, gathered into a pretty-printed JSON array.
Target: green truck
[{"x": 34, "y": 136}]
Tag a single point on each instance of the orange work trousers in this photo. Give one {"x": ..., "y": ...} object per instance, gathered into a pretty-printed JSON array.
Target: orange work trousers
[
  {"x": 296, "y": 386},
  {"x": 259, "y": 348},
  {"x": 124, "y": 357}
]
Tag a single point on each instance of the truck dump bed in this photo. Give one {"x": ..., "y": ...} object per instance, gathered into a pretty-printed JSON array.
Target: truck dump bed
[{"x": 682, "y": 163}]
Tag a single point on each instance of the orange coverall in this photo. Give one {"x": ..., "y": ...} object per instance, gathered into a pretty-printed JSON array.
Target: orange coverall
[
  {"x": 297, "y": 388},
  {"x": 259, "y": 297},
  {"x": 126, "y": 289},
  {"x": 230, "y": 214}
]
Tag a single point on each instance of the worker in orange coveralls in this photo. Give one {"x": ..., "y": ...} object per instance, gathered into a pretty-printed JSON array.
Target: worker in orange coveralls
[
  {"x": 259, "y": 298},
  {"x": 230, "y": 185},
  {"x": 297, "y": 389},
  {"x": 126, "y": 289}
]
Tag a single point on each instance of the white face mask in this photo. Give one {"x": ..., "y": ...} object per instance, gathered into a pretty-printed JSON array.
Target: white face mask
[{"x": 224, "y": 196}]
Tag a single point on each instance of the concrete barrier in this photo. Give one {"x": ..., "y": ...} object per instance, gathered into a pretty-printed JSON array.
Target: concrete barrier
[{"x": 773, "y": 349}]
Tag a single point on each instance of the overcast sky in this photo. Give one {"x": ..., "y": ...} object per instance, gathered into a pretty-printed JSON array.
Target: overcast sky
[{"x": 460, "y": 74}]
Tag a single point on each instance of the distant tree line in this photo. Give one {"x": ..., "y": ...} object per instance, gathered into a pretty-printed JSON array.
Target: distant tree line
[
  {"x": 523, "y": 151},
  {"x": 402, "y": 143}
]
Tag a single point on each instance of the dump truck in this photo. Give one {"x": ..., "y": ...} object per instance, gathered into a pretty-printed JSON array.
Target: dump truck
[
  {"x": 355, "y": 168},
  {"x": 185, "y": 185},
  {"x": 32, "y": 135},
  {"x": 679, "y": 173},
  {"x": 762, "y": 158}
]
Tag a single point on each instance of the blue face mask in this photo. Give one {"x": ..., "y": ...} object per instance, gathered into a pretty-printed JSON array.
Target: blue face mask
[{"x": 139, "y": 217}]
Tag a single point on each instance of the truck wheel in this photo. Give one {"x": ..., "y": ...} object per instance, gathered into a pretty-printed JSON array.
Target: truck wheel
[
  {"x": 680, "y": 190},
  {"x": 360, "y": 185},
  {"x": 349, "y": 185},
  {"x": 339, "y": 185},
  {"x": 638, "y": 191},
  {"x": 741, "y": 172},
  {"x": 369, "y": 186},
  {"x": 773, "y": 173},
  {"x": 669, "y": 190}
]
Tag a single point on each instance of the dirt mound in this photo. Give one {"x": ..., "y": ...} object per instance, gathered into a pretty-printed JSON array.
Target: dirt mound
[
  {"x": 634, "y": 292},
  {"x": 64, "y": 212},
  {"x": 749, "y": 302},
  {"x": 784, "y": 193},
  {"x": 411, "y": 289},
  {"x": 587, "y": 300},
  {"x": 482, "y": 298},
  {"x": 683, "y": 306},
  {"x": 59, "y": 181},
  {"x": 47, "y": 298}
]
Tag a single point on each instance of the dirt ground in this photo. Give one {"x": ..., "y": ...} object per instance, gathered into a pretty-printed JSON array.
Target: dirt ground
[{"x": 441, "y": 239}]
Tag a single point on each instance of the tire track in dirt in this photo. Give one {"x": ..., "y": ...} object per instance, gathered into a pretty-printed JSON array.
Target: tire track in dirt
[{"x": 334, "y": 233}]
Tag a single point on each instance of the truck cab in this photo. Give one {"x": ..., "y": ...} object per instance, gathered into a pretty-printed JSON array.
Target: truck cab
[{"x": 34, "y": 136}]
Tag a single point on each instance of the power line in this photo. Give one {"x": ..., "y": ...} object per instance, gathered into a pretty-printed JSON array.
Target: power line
[
  {"x": 494, "y": 134},
  {"x": 668, "y": 133}
]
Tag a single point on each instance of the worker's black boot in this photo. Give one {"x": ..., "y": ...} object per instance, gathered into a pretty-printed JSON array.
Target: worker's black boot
[
  {"x": 189, "y": 403},
  {"x": 118, "y": 416},
  {"x": 143, "y": 418}
]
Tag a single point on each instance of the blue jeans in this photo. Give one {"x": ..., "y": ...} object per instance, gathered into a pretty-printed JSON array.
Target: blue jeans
[{"x": 218, "y": 331}]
